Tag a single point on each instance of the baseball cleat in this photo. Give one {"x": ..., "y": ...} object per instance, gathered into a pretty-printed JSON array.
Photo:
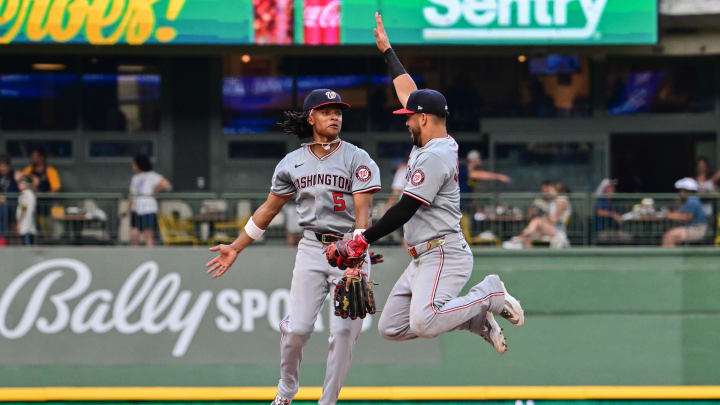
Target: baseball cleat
[
  {"x": 281, "y": 401},
  {"x": 494, "y": 334},
  {"x": 512, "y": 311}
]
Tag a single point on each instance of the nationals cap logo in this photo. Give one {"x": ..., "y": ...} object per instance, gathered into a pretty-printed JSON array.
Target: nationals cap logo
[
  {"x": 417, "y": 178},
  {"x": 363, "y": 173},
  {"x": 331, "y": 95}
]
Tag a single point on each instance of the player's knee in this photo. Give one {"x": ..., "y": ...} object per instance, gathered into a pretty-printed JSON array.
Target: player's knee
[
  {"x": 389, "y": 331},
  {"x": 344, "y": 333},
  {"x": 424, "y": 329},
  {"x": 298, "y": 329},
  {"x": 392, "y": 332}
]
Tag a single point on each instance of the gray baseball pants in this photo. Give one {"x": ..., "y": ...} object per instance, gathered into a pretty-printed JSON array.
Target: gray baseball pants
[
  {"x": 312, "y": 279},
  {"x": 424, "y": 301}
]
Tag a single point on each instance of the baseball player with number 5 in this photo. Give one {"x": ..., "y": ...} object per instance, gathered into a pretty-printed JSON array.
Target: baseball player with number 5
[
  {"x": 333, "y": 182},
  {"x": 424, "y": 302}
]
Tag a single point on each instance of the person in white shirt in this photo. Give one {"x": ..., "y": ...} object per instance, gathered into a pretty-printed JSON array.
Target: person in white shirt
[
  {"x": 399, "y": 181},
  {"x": 25, "y": 213},
  {"x": 552, "y": 225},
  {"x": 142, "y": 206}
]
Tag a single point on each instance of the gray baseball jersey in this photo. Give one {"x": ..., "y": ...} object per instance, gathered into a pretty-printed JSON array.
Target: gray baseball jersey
[
  {"x": 432, "y": 178},
  {"x": 424, "y": 301},
  {"x": 325, "y": 185}
]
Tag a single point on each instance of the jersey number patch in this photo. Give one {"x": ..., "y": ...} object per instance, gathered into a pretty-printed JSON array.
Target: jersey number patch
[{"x": 339, "y": 202}]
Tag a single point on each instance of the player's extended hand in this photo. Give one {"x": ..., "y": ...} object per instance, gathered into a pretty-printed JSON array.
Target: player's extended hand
[
  {"x": 347, "y": 253},
  {"x": 376, "y": 258},
  {"x": 381, "y": 38},
  {"x": 222, "y": 262}
]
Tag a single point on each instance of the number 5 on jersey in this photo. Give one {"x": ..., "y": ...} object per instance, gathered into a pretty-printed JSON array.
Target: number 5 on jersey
[{"x": 339, "y": 202}]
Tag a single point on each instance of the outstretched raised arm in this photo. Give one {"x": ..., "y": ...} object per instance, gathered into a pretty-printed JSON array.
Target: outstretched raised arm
[{"x": 403, "y": 82}]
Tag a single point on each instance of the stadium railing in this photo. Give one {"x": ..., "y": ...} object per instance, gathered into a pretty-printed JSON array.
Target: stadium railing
[{"x": 488, "y": 218}]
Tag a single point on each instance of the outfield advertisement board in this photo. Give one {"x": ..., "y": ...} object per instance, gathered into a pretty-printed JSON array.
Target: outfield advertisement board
[
  {"x": 152, "y": 317},
  {"x": 328, "y": 22},
  {"x": 497, "y": 22}
]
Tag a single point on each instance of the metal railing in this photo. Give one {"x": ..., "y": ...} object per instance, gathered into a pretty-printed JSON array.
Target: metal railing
[{"x": 488, "y": 219}]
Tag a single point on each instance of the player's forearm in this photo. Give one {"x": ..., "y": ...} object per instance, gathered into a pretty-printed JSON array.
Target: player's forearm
[
  {"x": 393, "y": 219},
  {"x": 241, "y": 242},
  {"x": 261, "y": 218},
  {"x": 403, "y": 82},
  {"x": 404, "y": 85},
  {"x": 362, "y": 218},
  {"x": 363, "y": 203},
  {"x": 259, "y": 221},
  {"x": 265, "y": 214}
]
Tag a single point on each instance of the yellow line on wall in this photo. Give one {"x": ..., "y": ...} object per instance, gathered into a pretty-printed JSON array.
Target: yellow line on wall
[{"x": 446, "y": 393}]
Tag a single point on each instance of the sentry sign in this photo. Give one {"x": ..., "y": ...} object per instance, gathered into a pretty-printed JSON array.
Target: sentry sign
[
  {"x": 522, "y": 21},
  {"x": 511, "y": 21}
]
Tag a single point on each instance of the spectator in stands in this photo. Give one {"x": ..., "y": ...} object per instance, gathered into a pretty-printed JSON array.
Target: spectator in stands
[
  {"x": 468, "y": 176},
  {"x": 399, "y": 181},
  {"x": 8, "y": 184},
  {"x": 691, "y": 214},
  {"x": 474, "y": 161},
  {"x": 551, "y": 227},
  {"x": 706, "y": 181},
  {"x": 45, "y": 177},
  {"x": 607, "y": 217},
  {"x": 25, "y": 213},
  {"x": 142, "y": 206},
  {"x": 541, "y": 205}
]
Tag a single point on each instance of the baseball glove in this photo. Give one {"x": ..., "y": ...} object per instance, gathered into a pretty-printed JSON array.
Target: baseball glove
[
  {"x": 347, "y": 254},
  {"x": 354, "y": 296}
]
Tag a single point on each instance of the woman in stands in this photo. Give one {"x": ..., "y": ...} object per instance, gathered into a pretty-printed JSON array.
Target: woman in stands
[
  {"x": 551, "y": 227},
  {"x": 142, "y": 206}
]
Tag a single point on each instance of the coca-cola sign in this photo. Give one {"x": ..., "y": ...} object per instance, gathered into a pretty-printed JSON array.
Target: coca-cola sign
[
  {"x": 317, "y": 14},
  {"x": 321, "y": 22}
]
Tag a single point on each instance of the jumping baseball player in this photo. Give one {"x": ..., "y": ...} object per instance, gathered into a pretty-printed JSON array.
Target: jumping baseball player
[
  {"x": 333, "y": 182},
  {"x": 424, "y": 302}
]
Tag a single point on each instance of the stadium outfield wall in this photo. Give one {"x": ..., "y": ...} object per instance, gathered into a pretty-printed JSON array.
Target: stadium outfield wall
[{"x": 120, "y": 317}]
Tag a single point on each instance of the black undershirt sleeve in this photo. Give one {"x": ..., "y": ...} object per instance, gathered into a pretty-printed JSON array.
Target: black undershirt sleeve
[{"x": 393, "y": 219}]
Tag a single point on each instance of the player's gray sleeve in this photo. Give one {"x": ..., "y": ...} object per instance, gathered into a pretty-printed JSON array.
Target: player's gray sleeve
[
  {"x": 427, "y": 176},
  {"x": 366, "y": 174},
  {"x": 282, "y": 183}
]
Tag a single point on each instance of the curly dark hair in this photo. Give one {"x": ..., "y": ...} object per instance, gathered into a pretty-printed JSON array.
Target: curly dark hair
[
  {"x": 296, "y": 123},
  {"x": 143, "y": 163}
]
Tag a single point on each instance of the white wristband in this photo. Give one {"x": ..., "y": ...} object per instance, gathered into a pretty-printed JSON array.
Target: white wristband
[
  {"x": 358, "y": 232},
  {"x": 252, "y": 230}
]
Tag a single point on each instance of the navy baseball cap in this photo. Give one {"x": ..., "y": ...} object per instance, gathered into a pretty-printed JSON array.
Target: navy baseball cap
[
  {"x": 425, "y": 101},
  {"x": 322, "y": 97}
]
